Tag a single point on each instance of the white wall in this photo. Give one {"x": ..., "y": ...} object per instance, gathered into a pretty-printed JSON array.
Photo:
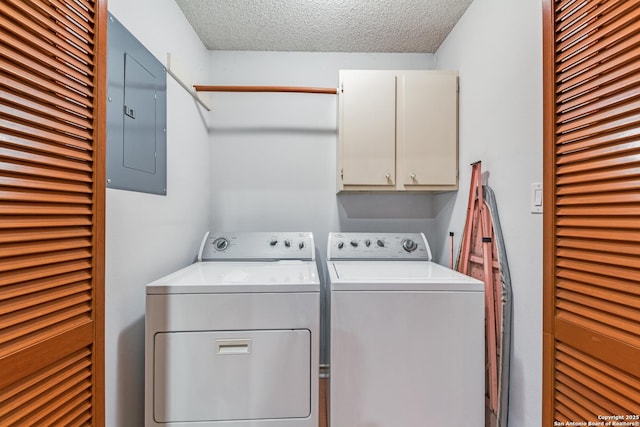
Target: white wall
[
  {"x": 149, "y": 235},
  {"x": 497, "y": 48},
  {"x": 273, "y": 155}
]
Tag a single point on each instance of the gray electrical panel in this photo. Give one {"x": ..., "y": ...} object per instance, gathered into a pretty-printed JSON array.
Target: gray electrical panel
[{"x": 136, "y": 115}]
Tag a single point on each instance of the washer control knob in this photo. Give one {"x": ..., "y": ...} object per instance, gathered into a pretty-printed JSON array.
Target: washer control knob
[
  {"x": 380, "y": 243},
  {"x": 221, "y": 244},
  {"x": 367, "y": 243},
  {"x": 340, "y": 245},
  {"x": 301, "y": 245},
  {"x": 287, "y": 243},
  {"x": 273, "y": 242},
  {"x": 409, "y": 245},
  {"x": 354, "y": 243}
]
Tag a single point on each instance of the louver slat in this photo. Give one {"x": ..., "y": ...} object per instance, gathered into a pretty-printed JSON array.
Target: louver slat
[
  {"x": 591, "y": 78},
  {"x": 616, "y": 44},
  {"x": 45, "y": 148},
  {"x": 605, "y": 380},
  {"x": 598, "y": 17},
  {"x": 565, "y": 413},
  {"x": 622, "y": 101},
  {"x": 52, "y": 80},
  {"x": 28, "y": 91},
  {"x": 37, "y": 286},
  {"x": 606, "y": 26},
  {"x": 40, "y": 196},
  {"x": 599, "y": 89},
  {"x": 18, "y": 128},
  {"x": 20, "y": 65},
  {"x": 68, "y": 402},
  {"x": 592, "y": 231},
  {"x": 48, "y": 175},
  {"x": 54, "y": 35},
  {"x": 23, "y": 154},
  {"x": 600, "y": 129},
  {"x": 83, "y": 8},
  {"x": 48, "y": 49},
  {"x": 42, "y": 109},
  {"x": 41, "y": 395},
  {"x": 573, "y": 10},
  {"x": 57, "y": 10}
]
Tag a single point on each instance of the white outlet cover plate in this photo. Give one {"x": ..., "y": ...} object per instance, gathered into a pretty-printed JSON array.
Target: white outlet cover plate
[{"x": 536, "y": 197}]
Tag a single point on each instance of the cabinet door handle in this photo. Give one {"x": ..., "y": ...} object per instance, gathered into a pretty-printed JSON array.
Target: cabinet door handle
[
  {"x": 388, "y": 176},
  {"x": 412, "y": 176}
]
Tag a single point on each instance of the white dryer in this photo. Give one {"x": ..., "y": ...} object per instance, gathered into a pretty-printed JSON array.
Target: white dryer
[
  {"x": 233, "y": 339},
  {"x": 407, "y": 335}
]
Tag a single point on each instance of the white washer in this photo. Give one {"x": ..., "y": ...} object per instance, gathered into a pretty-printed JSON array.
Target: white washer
[
  {"x": 407, "y": 335},
  {"x": 233, "y": 339}
]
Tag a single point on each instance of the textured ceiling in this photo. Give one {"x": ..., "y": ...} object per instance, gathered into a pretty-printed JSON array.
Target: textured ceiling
[{"x": 417, "y": 26}]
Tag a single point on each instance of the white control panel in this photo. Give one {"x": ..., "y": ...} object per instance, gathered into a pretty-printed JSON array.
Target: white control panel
[
  {"x": 238, "y": 246},
  {"x": 366, "y": 246}
]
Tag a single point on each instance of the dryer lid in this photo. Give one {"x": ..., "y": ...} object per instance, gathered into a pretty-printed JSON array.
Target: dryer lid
[{"x": 240, "y": 277}]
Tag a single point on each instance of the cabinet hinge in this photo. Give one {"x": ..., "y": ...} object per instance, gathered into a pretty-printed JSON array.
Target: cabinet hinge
[
  {"x": 342, "y": 87},
  {"x": 342, "y": 174}
]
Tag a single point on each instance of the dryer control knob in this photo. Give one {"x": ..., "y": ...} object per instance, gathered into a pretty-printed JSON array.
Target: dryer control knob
[
  {"x": 301, "y": 245},
  {"x": 340, "y": 245},
  {"x": 287, "y": 243},
  {"x": 354, "y": 243},
  {"x": 273, "y": 242},
  {"x": 409, "y": 245},
  {"x": 221, "y": 244},
  {"x": 367, "y": 242},
  {"x": 380, "y": 243}
]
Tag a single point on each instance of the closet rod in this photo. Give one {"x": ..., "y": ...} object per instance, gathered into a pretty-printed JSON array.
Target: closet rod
[{"x": 326, "y": 90}]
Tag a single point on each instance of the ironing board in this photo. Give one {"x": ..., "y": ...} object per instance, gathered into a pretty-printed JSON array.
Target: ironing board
[{"x": 483, "y": 256}]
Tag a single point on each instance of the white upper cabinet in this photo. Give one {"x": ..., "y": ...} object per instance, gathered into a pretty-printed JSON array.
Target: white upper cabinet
[
  {"x": 398, "y": 131},
  {"x": 367, "y": 127}
]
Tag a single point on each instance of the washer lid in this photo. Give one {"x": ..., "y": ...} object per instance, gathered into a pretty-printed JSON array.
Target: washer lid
[
  {"x": 398, "y": 276},
  {"x": 239, "y": 277}
]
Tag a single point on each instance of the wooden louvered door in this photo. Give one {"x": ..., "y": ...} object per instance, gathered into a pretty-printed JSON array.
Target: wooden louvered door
[
  {"x": 591, "y": 358},
  {"x": 52, "y": 80}
]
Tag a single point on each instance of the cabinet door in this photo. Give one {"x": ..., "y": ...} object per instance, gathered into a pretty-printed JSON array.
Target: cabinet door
[
  {"x": 367, "y": 135},
  {"x": 427, "y": 128}
]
